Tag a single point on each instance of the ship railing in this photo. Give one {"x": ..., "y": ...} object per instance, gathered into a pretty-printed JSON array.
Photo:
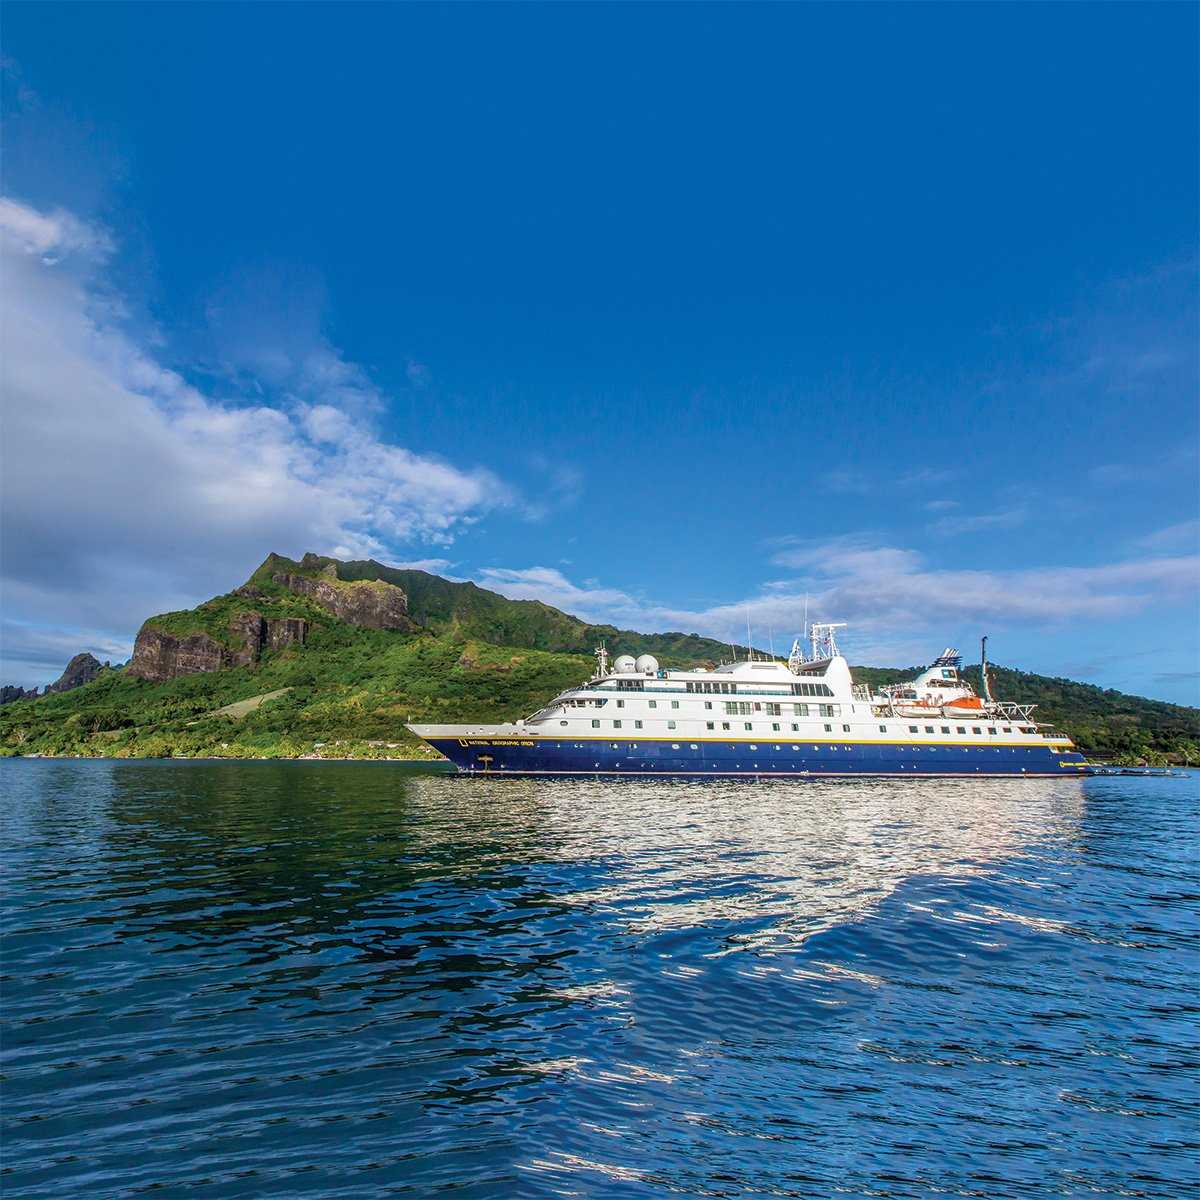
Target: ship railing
[
  {"x": 743, "y": 689},
  {"x": 1008, "y": 710}
]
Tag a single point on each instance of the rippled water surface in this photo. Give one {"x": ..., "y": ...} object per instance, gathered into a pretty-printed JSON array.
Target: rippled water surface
[{"x": 363, "y": 980}]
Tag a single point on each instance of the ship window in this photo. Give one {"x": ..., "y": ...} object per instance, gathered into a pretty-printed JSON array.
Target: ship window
[
  {"x": 775, "y": 728},
  {"x": 795, "y": 728},
  {"x": 1007, "y": 729},
  {"x": 724, "y": 724},
  {"x": 828, "y": 728},
  {"x": 595, "y": 724},
  {"x": 620, "y": 703},
  {"x": 800, "y": 710},
  {"x": 991, "y": 729},
  {"x": 670, "y": 724},
  {"x": 945, "y": 728},
  {"x": 637, "y": 724},
  {"x": 883, "y": 729},
  {"x": 693, "y": 746},
  {"x": 709, "y": 725},
  {"x": 845, "y": 728},
  {"x": 674, "y": 745},
  {"x": 976, "y": 729},
  {"x": 653, "y": 703},
  {"x": 563, "y": 722},
  {"x": 753, "y": 747},
  {"x": 616, "y": 724},
  {"x": 773, "y": 710},
  {"x": 674, "y": 703},
  {"x": 928, "y": 728},
  {"x": 708, "y": 704},
  {"x": 913, "y": 729},
  {"x": 749, "y": 726},
  {"x": 960, "y": 729}
]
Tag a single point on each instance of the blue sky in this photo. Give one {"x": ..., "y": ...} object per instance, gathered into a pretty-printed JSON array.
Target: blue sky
[{"x": 657, "y": 313}]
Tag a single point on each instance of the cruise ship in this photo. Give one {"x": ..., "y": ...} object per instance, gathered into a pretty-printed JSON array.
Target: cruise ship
[{"x": 803, "y": 719}]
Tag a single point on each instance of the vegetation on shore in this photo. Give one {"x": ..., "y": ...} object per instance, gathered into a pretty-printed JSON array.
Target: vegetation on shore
[{"x": 348, "y": 691}]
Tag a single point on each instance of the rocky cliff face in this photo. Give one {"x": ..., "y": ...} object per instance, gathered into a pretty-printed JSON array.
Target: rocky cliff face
[
  {"x": 159, "y": 655},
  {"x": 83, "y": 668},
  {"x": 373, "y": 604}
]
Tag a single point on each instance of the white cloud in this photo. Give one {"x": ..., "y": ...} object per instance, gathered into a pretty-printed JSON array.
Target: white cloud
[
  {"x": 1182, "y": 536},
  {"x": 551, "y": 586},
  {"x": 127, "y": 490},
  {"x": 1006, "y": 518},
  {"x": 897, "y": 604},
  {"x": 49, "y": 235},
  {"x": 845, "y": 482},
  {"x": 37, "y": 655},
  {"x": 930, "y": 476},
  {"x": 436, "y": 566}
]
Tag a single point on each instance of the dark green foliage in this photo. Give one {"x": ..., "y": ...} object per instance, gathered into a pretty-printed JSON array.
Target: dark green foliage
[
  {"x": 349, "y": 688},
  {"x": 481, "y": 657},
  {"x": 1102, "y": 722},
  {"x": 213, "y": 617},
  {"x": 474, "y": 612}
]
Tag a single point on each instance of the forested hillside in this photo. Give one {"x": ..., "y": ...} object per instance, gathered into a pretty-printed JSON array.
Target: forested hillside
[{"x": 328, "y": 658}]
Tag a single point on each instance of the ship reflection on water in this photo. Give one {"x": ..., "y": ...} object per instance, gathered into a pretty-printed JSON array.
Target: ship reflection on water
[
  {"x": 789, "y": 858},
  {"x": 355, "y": 979}
]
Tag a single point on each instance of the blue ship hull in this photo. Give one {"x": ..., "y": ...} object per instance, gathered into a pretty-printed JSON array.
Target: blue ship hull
[{"x": 515, "y": 756}]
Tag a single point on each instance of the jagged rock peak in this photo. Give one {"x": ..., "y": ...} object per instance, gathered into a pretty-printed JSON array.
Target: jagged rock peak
[
  {"x": 371, "y": 604},
  {"x": 83, "y": 668}
]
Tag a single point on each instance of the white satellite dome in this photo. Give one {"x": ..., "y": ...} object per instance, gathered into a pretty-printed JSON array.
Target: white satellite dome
[
  {"x": 623, "y": 664},
  {"x": 646, "y": 662}
]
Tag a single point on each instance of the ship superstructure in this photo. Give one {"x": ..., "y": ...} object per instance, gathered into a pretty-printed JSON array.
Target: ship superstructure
[{"x": 803, "y": 718}]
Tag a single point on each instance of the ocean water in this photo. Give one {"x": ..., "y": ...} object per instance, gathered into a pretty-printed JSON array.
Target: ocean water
[{"x": 344, "y": 980}]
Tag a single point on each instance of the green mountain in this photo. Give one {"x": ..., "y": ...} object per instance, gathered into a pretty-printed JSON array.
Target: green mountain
[
  {"x": 466, "y": 610},
  {"x": 331, "y": 659}
]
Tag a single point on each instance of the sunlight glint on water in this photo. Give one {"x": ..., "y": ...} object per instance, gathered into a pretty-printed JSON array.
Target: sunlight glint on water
[{"x": 357, "y": 980}]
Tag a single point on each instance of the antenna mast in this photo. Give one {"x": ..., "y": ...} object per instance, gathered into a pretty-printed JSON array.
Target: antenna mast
[
  {"x": 824, "y": 642},
  {"x": 987, "y": 691}
]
